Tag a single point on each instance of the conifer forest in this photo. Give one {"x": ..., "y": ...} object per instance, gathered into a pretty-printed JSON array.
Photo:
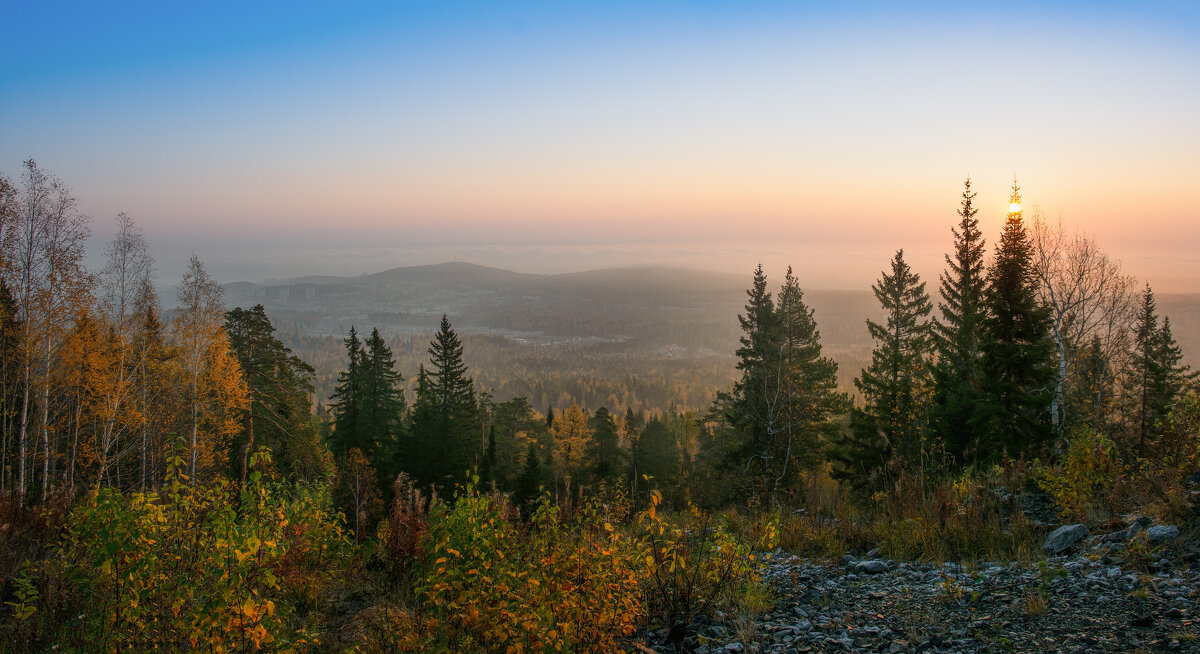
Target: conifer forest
[
  {"x": 172, "y": 479},
  {"x": 651, "y": 327}
]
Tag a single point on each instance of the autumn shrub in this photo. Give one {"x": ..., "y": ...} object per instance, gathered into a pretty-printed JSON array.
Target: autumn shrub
[
  {"x": 1161, "y": 479},
  {"x": 972, "y": 517},
  {"x": 191, "y": 568},
  {"x": 402, "y": 534},
  {"x": 822, "y": 536},
  {"x": 491, "y": 583},
  {"x": 695, "y": 564},
  {"x": 1084, "y": 481},
  {"x": 26, "y": 534}
]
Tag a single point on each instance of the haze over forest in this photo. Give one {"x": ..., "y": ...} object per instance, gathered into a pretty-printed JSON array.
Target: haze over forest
[
  {"x": 670, "y": 327},
  {"x": 559, "y": 339}
]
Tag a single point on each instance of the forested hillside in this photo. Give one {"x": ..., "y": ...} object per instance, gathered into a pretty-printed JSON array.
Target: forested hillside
[
  {"x": 641, "y": 338},
  {"x": 478, "y": 460}
]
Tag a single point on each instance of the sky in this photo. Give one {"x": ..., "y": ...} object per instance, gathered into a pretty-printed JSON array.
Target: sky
[{"x": 278, "y": 139}]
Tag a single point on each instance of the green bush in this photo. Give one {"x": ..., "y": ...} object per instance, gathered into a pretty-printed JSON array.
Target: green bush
[{"x": 191, "y": 568}]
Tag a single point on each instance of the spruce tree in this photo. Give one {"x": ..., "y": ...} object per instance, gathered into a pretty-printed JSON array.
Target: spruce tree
[
  {"x": 529, "y": 481},
  {"x": 417, "y": 457},
  {"x": 958, "y": 333},
  {"x": 487, "y": 466},
  {"x": 749, "y": 409},
  {"x": 381, "y": 408},
  {"x": 445, "y": 416},
  {"x": 606, "y": 460},
  {"x": 809, "y": 395},
  {"x": 1013, "y": 418},
  {"x": 657, "y": 456},
  {"x": 891, "y": 427},
  {"x": 780, "y": 412},
  {"x": 346, "y": 399},
  {"x": 1158, "y": 373}
]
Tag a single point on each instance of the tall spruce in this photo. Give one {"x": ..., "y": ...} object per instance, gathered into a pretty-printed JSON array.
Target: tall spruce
[
  {"x": 780, "y": 412},
  {"x": 751, "y": 409},
  {"x": 445, "y": 422},
  {"x": 809, "y": 394},
  {"x": 529, "y": 481},
  {"x": 604, "y": 456},
  {"x": 1158, "y": 375},
  {"x": 346, "y": 398},
  {"x": 890, "y": 430},
  {"x": 1014, "y": 416},
  {"x": 656, "y": 455},
  {"x": 381, "y": 408},
  {"x": 959, "y": 332}
]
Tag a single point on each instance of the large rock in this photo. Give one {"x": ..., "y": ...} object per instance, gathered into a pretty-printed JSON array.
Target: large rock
[
  {"x": 872, "y": 567},
  {"x": 1136, "y": 527},
  {"x": 1161, "y": 534},
  {"x": 1064, "y": 538}
]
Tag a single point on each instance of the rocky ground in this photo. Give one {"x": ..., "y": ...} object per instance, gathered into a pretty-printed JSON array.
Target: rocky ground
[{"x": 1120, "y": 592}]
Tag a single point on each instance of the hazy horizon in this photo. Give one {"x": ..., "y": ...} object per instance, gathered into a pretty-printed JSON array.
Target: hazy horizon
[
  {"x": 847, "y": 268},
  {"x": 285, "y": 139}
]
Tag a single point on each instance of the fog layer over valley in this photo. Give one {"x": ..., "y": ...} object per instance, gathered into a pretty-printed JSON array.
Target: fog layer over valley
[{"x": 644, "y": 337}]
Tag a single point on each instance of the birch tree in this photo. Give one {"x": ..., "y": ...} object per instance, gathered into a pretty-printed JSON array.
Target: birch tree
[
  {"x": 44, "y": 259},
  {"x": 1090, "y": 301},
  {"x": 196, "y": 328},
  {"x": 127, "y": 271}
]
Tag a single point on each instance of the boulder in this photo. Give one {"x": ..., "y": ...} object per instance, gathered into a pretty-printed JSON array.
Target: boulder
[
  {"x": 1162, "y": 534},
  {"x": 1064, "y": 538},
  {"x": 1136, "y": 527},
  {"x": 873, "y": 567}
]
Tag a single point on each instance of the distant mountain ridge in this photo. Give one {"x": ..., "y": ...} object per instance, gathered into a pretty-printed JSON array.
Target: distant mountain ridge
[{"x": 461, "y": 272}]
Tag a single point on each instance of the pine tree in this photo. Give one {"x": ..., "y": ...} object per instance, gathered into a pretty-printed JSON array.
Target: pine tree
[
  {"x": 1014, "y": 417},
  {"x": 529, "y": 481},
  {"x": 808, "y": 395},
  {"x": 891, "y": 427},
  {"x": 781, "y": 410},
  {"x": 381, "y": 406},
  {"x": 346, "y": 398},
  {"x": 445, "y": 421},
  {"x": 280, "y": 413},
  {"x": 958, "y": 333},
  {"x": 751, "y": 409},
  {"x": 656, "y": 455},
  {"x": 605, "y": 458},
  {"x": 1158, "y": 373}
]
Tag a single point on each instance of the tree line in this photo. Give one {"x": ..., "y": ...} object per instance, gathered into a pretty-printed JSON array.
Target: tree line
[{"x": 1044, "y": 340}]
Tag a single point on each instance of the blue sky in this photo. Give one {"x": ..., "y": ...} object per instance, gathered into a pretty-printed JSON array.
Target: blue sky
[{"x": 831, "y": 132}]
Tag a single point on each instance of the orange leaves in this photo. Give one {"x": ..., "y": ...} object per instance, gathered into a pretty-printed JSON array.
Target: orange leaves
[
  {"x": 190, "y": 568},
  {"x": 548, "y": 587}
]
